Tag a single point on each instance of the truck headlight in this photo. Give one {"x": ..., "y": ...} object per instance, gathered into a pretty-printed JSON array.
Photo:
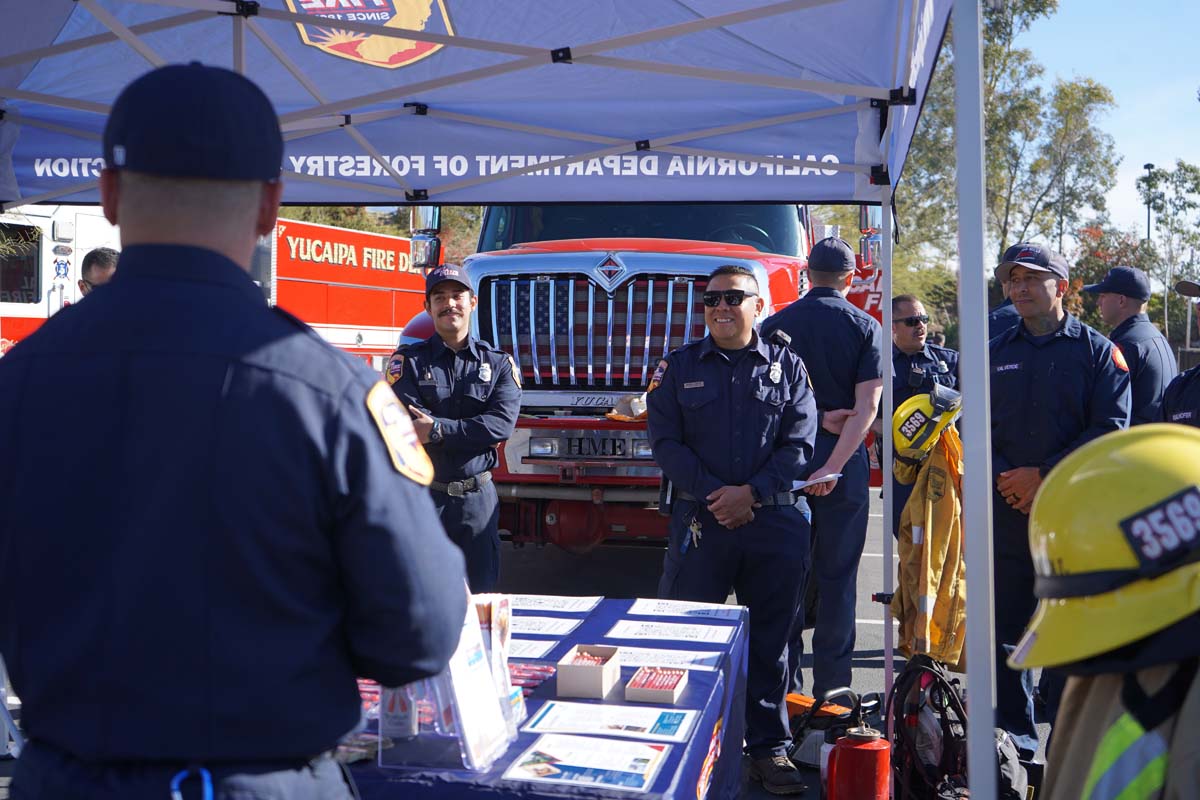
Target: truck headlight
[
  {"x": 543, "y": 448},
  {"x": 641, "y": 449}
]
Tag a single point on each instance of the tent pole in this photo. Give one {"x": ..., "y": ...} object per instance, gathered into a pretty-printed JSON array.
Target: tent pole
[
  {"x": 977, "y": 456},
  {"x": 885, "y": 458}
]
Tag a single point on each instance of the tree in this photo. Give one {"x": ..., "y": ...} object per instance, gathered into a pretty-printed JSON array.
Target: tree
[
  {"x": 1102, "y": 247},
  {"x": 1174, "y": 197},
  {"x": 460, "y": 224}
]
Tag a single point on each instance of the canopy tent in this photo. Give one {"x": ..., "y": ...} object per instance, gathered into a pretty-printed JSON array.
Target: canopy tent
[{"x": 472, "y": 102}]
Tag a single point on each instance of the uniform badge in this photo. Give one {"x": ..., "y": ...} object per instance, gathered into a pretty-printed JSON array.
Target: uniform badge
[
  {"x": 395, "y": 425},
  {"x": 485, "y": 372},
  {"x": 395, "y": 369},
  {"x": 776, "y": 372},
  {"x": 657, "y": 377},
  {"x": 1118, "y": 359},
  {"x": 516, "y": 373}
]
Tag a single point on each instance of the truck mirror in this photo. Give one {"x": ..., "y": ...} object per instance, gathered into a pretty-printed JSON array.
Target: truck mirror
[
  {"x": 870, "y": 219},
  {"x": 425, "y": 251},
  {"x": 871, "y": 248},
  {"x": 425, "y": 219}
]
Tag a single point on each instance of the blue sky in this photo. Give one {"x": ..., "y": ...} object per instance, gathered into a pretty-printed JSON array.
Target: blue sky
[{"x": 1148, "y": 54}]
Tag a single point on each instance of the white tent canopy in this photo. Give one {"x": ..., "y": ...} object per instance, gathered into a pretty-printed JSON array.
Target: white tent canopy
[{"x": 478, "y": 101}]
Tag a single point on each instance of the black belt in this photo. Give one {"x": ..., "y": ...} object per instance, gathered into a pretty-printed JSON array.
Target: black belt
[
  {"x": 781, "y": 499},
  {"x": 465, "y": 486}
]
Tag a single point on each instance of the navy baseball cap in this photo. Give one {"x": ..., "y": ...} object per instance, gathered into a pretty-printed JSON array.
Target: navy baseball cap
[
  {"x": 832, "y": 255},
  {"x": 1033, "y": 256},
  {"x": 1129, "y": 281},
  {"x": 446, "y": 272},
  {"x": 194, "y": 121}
]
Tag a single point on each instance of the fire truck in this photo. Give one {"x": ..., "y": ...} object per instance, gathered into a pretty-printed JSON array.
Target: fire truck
[
  {"x": 354, "y": 288},
  {"x": 587, "y": 299}
]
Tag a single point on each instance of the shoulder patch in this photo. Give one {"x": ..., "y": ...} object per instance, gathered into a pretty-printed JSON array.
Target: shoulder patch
[
  {"x": 1118, "y": 359},
  {"x": 657, "y": 377},
  {"x": 395, "y": 369},
  {"x": 516, "y": 373},
  {"x": 395, "y": 425}
]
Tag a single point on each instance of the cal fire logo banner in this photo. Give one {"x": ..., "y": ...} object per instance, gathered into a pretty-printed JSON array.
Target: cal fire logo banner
[
  {"x": 408, "y": 457},
  {"x": 371, "y": 48}
]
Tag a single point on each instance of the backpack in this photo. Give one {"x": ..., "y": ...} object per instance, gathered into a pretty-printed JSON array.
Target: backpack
[{"x": 928, "y": 717}]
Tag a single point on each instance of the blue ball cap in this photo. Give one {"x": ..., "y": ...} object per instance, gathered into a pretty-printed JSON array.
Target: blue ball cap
[
  {"x": 194, "y": 121},
  {"x": 1033, "y": 256},
  {"x": 1129, "y": 281},
  {"x": 832, "y": 255},
  {"x": 446, "y": 272}
]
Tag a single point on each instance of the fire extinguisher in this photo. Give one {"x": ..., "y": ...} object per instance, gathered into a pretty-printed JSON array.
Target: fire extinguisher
[{"x": 860, "y": 763}]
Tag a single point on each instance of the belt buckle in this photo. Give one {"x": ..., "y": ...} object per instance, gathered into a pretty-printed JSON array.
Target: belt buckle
[{"x": 455, "y": 489}]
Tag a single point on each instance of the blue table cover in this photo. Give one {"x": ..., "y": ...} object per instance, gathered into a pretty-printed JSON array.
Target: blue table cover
[{"x": 719, "y": 695}]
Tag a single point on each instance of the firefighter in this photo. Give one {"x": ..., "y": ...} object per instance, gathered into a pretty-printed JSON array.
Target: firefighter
[
  {"x": 1122, "y": 297},
  {"x": 840, "y": 346},
  {"x": 916, "y": 366},
  {"x": 1115, "y": 547},
  {"x": 464, "y": 396},
  {"x": 97, "y": 269},
  {"x": 1004, "y": 316},
  {"x": 249, "y": 529},
  {"x": 732, "y": 422},
  {"x": 1056, "y": 384}
]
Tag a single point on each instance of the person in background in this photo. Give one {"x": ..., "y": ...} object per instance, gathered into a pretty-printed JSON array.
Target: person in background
[
  {"x": 1056, "y": 384},
  {"x": 732, "y": 422},
  {"x": 464, "y": 396},
  {"x": 1181, "y": 400},
  {"x": 249, "y": 531},
  {"x": 97, "y": 269},
  {"x": 1004, "y": 316},
  {"x": 1122, "y": 298}
]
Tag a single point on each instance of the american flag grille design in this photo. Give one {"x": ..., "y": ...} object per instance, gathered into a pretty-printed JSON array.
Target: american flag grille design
[{"x": 610, "y": 340}]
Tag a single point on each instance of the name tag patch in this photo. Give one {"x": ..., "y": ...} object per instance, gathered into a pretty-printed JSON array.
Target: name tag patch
[
  {"x": 1166, "y": 531},
  {"x": 1178, "y": 415},
  {"x": 694, "y": 385},
  {"x": 1007, "y": 367}
]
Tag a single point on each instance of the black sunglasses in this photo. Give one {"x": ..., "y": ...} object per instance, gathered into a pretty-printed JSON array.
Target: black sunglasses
[
  {"x": 733, "y": 297},
  {"x": 912, "y": 321}
]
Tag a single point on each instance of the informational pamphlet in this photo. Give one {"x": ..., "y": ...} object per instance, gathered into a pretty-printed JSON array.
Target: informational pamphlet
[
  {"x": 636, "y": 722},
  {"x": 543, "y": 626},
  {"x": 684, "y": 608},
  {"x": 530, "y": 648},
  {"x": 798, "y": 485},
  {"x": 608, "y": 763},
  {"x": 482, "y": 728},
  {"x": 549, "y": 602},
  {"x": 675, "y": 631},
  {"x": 651, "y": 657}
]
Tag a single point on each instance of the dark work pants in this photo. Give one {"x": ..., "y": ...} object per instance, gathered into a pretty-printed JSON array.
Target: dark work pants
[
  {"x": 839, "y": 531},
  {"x": 473, "y": 523},
  {"x": 46, "y": 773},
  {"x": 1012, "y": 575},
  {"x": 764, "y": 562},
  {"x": 900, "y": 494}
]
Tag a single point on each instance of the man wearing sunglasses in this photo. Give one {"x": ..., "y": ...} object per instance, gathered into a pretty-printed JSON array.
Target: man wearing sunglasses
[
  {"x": 916, "y": 366},
  {"x": 97, "y": 269},
  {"x": 841, "y": 348},
  {"x": 732, "y": 421}
]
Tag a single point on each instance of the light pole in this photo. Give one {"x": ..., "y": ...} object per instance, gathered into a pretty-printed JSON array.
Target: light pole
[{"x": 1148, "y": 168}]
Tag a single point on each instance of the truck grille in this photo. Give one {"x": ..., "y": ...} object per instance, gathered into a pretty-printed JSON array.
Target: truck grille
[{"x": 566, "y": 330}]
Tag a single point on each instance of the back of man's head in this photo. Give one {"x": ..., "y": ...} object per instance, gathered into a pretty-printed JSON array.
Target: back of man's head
[{"x": 102, "y": 259}]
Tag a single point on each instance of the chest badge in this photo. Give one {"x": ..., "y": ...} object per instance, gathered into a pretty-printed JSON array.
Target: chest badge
[
  {"x": 485, "y": 372},
  {"x": 776, "y": 372}
]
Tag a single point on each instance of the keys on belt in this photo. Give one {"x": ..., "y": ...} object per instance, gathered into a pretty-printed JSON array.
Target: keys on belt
[
  {"x": 781, "y": 499},
  {"x": 463, "y": 487}
]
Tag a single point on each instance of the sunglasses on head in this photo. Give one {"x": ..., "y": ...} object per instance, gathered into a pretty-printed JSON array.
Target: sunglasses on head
[
  {"x": 913, "y": 321},
  {"x": 733, "y": 297}
]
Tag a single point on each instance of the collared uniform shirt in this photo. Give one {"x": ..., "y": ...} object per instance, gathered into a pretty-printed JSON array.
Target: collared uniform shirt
[
  {"x": 915, "y": 374},
  {"x": 1181, "y": 401},
  {"x": 1002, "y": 318},
  {"x": 473, "y": 393},
  {"x": 719, "y": 422},
  {"x": 840, "y": 344},
  {"x": 1151, "y": 365},
  {"x": 1050, "y": 395},
  {"x": 203, "y": 550}
]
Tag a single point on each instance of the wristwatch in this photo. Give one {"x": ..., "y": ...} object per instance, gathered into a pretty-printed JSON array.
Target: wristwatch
[{"x": 435, "y": 433}]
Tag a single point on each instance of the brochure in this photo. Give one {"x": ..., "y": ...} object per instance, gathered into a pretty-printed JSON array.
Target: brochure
[
  {"x": 651, "y": 657},
  {"x": 636, "y": 722},
  {"x": 549, "y": 602},
  {"x": 530, "y": 648},
  {"x": 683, "y": 608},
  {"x": 543, "y": 626},
  {"x": 637, "y": 629},
  {"x": 608, "y": 763}
]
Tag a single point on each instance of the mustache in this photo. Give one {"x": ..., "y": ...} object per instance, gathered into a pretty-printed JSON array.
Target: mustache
[{"x": 449, "y": 311}]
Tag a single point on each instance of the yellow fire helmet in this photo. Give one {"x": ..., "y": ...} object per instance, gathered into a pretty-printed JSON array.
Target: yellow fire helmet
[
  {"x": 1115, "y": 538},
  {"x": 920, "y": 420}
]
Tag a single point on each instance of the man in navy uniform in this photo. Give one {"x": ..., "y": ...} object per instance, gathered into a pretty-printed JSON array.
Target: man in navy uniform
[
  {"x": 1056, "y": 384},
  {"x": 916, "y": 366},
  {"x": 465, "y": 397},
  {"x": 1181, "y": 400},
  {"x": 732, "y": 421},
  {"x": 1004, "y": 316},
  {"x": 840, "y": 346},
  {"x": 249, "y": 529},
  {"x": 1122, "y": 298},
  {"x": 97, "y": 269}
]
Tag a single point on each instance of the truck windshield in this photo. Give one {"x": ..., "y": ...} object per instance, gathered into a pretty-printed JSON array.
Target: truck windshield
[{"x": 768, "y": 228}]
